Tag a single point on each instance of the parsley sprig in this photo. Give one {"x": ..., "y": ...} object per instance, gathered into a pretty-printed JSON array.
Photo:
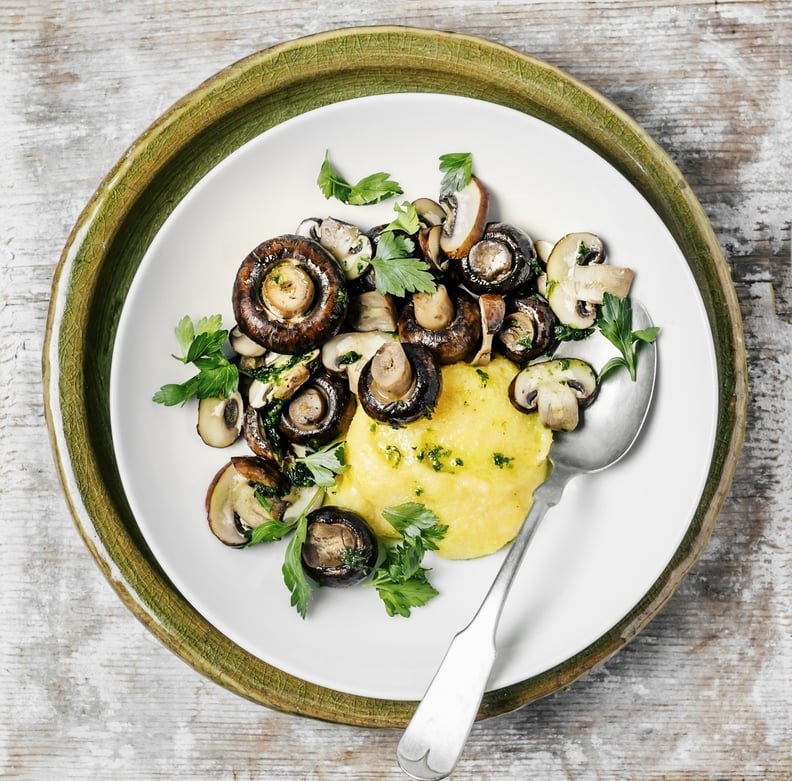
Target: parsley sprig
[
  {"x": 400, "y": 580},
  {"x": 457, "y": 169},
  {"x": 369, "y": 190},
  {"x": 615, "y": 323},
  {"x": 202, "y": 345}
]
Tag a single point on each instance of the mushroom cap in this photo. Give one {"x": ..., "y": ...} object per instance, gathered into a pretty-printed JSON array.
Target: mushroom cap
[
  {"x": 500, "y": 261},
  {"x": 528, "y": 329},
  {"x": 458, "y": 341},
  {"x": 319, "y": 412},
  {"x": 420, "y": 399},
  {"x": 339, "y": 549},
  {"x": 305, "y": 275}
]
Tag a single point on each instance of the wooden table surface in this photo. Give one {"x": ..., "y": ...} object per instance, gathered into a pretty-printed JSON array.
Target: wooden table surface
[{"x": 705, "y": 692}]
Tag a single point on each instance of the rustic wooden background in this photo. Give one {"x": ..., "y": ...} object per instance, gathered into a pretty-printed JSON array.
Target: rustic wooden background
[{"x": 704, "y": 692}]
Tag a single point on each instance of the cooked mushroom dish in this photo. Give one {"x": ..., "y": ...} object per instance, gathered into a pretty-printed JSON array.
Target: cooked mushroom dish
[{"x": 392, "y": 389}]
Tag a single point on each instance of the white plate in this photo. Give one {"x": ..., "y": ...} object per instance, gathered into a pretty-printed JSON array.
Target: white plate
[{"x": 596, "y": 554}]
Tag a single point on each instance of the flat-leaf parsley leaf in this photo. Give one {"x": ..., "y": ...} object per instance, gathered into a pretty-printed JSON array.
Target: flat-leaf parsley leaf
[
  {"x": 396, "y": 270},
  {"x": 457, "y": 169}
]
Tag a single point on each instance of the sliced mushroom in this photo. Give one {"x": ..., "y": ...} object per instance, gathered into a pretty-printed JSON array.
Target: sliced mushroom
[
  {"x": 220, "y": 420},
  {"x": 429, "y": 212},
  {"x": 400, "y": 383},
  {"x": 243, "y": 345},
  {"x": 348, "y": 245},
  {"x": 339, "y": 548},
  {"x": 455, "y": 341},
  {"x": 319, "y": 412},
  {"x": 258, "y": 434},
  {"x": 466, "y": 217},
  {"x": 528, "y": 329},
  {"x": 372, "y": 311},
  {"x": 290, "y": 295},
  {"x": 493, "y": 312},
  {"x": 556, "y": 390},
  {"x": 245, "y": 493},
  {"x": 429, "y": 242},
  {"x": 577, "y": 279},
  {"x": 280, "y": 376},
  {"x": 502, "y": 260},
  {"x": 347, "y": 353}
]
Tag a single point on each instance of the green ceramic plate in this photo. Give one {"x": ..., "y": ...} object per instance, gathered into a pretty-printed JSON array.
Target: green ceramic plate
[{"x": 113, "y": 253}]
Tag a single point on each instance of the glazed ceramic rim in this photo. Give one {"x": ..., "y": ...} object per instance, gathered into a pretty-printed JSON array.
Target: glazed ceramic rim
[{"x": 236, "y": 105}]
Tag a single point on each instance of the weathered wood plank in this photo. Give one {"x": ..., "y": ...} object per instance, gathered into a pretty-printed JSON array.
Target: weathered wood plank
[{"x": 703, "y": 692}]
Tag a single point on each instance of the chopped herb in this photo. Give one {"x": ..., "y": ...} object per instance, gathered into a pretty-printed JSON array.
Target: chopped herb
[
  {"x": 501, "y": 460},
  {"x": 201, "y": 345},
  {"x": 457, "y": 169},
  {"x": 615, "y": 323},
  {"x": 393, "y": 455},
  {"x": 566, "y": 333},
  {"x": 371, "y": 189},
  {"x": 349, "y": 357},
  {"x": 483, "y": 376}
]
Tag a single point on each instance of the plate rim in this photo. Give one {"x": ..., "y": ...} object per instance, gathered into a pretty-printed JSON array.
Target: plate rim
[{"x": 342, "y": 58}]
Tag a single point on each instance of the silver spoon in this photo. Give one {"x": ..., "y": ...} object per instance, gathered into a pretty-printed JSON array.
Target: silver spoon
[{"x": 435, "y": 737}]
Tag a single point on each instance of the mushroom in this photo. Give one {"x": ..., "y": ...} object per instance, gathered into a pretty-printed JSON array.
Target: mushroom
[
  {"x": 466, "y": 217},
  {"x": 429, "y": 242},
  {"x": 400, "y": 383},
  {"x": 372, "y": 311},
  {"x": 347, "y": 353},
  {"x": 257, "y": 431},
  {"x": 339, "y": 548},
  {"x": 493, "y": 313},
  {"x": 348, "y": 245},
  {"x": 429, "y": 212},
  {"x": 557, "y": 389},
  {"x": 318, "y": 413},
  {"x": 243, "y": 345},
  {"x": 502, "y": 260},
  {"x": 245, "y": 493},
  {"x": 220, "y": 420},
  {"x": 528, "y": 329},
  {"x": 447, "y": 322},
  {"x": 279, "y": 376},
  {"x": 577, "y": 279},
  {"x": 290, "y": 295}
]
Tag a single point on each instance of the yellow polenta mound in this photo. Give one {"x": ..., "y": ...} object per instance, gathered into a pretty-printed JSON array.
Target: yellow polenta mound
[{"x": 475, "y": 463}]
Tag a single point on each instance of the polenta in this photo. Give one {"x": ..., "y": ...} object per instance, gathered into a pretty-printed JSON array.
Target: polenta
[{"x": 475, "y": 462}]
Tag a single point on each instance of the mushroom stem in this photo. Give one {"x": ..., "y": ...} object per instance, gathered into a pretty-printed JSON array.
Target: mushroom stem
[
  {"x": 435, "y": 310},
  {"x": 287, "y": 291},
  {"x": 391, "y": 373}
]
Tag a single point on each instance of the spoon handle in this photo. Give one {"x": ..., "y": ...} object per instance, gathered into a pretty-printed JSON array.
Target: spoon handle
[{"x": 435, "y": 737}]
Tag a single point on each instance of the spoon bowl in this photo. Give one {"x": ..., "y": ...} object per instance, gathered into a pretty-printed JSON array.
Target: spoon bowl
[{"x": 435, "y": 737}]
